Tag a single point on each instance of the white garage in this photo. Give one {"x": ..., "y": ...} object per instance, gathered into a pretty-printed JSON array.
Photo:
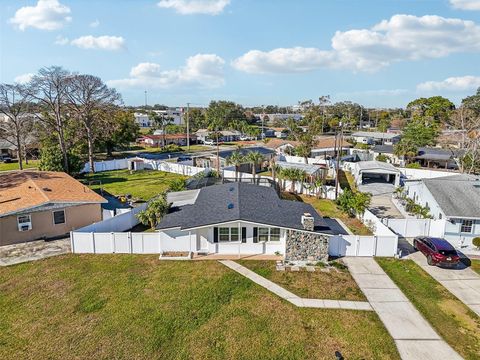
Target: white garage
[{"x": 368, "y": 172}]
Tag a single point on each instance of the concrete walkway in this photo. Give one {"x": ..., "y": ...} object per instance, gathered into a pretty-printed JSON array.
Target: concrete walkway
[
  {"x": 413, "y": 335},
  {"x": 292, "y": 298},
  {"x": 463, "y": 282},
  {"x": 31, "y": 251}
]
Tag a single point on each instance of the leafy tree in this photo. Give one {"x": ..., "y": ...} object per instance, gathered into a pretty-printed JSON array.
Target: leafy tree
[
  {"x": 155, "y": 211},
  {"x": 118, "y": 130},
  {"x": 420, "y": 132},
  {"x": 354, "y": 202},
  {"x": 254, "y": 157},
  {"x": 437, "y": 108},
  {"x": 236, "y": 159},
  {"x": 382, "y": 158},
  {"x": 177, "y": 185},
  {"x": 51, "y": 159},
  {"x": 197, "y": 119},
  {"x": 222, "y": 115}
]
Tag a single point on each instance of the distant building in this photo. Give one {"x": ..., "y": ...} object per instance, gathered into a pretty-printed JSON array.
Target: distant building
[
  {"x": 372, "y": 138},
  {"x": 278, "y": 117},
  {"x": 225, "y": 135},
  {"x": 175, "y": 114},
  {"x": 161, "y": 140}
]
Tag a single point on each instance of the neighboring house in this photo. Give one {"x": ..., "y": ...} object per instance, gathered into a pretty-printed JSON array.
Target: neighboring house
[
  {"x": 240, "y": 218},
  {"x": 282, "y": 146},
  {"x": 278, "y": 117},
  {"x": 453, "y": 199},
  {"x": 325, "y": 146},
  {"x": 225, "y": 135},
  {"x": 426, "y": 156},
  {"x": 162, "y": 140},
  {"x": 210, "y": 161},
  {"x": 42, "y": 205},
  {"x": 380, "y": 138},
  {"x": 174, "y": 114},
  {"x": 8, "y": 146},
  {"x": 375, "y": 172}
]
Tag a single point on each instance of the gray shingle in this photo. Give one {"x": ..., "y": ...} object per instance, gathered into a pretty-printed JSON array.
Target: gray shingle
[{"x": 240, "y": 201}]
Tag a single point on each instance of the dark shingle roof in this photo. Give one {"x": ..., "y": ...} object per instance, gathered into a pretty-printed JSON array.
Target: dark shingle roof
[
  {"x": 240, "y": 201},
  {"x": 244, "y": 151}
]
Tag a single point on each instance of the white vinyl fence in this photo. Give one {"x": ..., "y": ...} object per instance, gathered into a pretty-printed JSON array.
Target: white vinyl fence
[
  {"x": 183, "y": 169},
  {"x": 122, "y": 222},
  {"x": 355, "y": 245},
  {"x": 409, "y": 228},
  {"x": 301, "y": 160},
  {"x": 117, "y": 164},
  {"x": 129, "y": 242}
]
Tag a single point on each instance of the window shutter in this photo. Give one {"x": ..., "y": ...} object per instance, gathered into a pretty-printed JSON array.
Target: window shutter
[
  {"x": 244, "y": 234},
  {"x": 215, "y": 234},
  {"x": 255, "y": 235}
]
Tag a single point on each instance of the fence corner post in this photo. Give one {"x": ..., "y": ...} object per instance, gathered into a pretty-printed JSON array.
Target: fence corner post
[{"x": 72, "y": 243}]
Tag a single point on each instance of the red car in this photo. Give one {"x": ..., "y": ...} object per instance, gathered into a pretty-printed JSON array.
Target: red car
[{"x": 438, "y": 251}]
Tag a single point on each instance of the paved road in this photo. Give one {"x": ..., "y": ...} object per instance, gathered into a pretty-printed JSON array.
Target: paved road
[
  {"x": 463, "y": 282},
  {"x": 413, "y": 335}
]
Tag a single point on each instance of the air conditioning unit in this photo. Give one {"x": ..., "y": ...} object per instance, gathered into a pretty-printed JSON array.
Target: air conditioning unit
[{"x": 24, "y": 226}]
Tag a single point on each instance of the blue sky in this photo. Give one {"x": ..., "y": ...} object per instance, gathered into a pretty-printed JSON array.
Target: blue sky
[{"x": 380, "y": 53}]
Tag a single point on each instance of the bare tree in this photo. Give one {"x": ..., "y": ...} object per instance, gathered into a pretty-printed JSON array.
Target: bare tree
[
  {"x": 18, "y": 122},
  {"x": 49, "y": 88},
  {"x": 89, "y": 99}
]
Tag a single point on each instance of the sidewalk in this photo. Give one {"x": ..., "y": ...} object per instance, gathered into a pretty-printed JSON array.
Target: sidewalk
[
  {"x": 464, "y": 283},
  {"x": 413, "y": 335},
  {"x": 292, "y": 298}
]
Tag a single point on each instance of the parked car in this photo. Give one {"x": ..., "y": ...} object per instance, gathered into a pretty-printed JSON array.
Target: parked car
[
  {"x": 438, "y": 251},
  {"x": 210, "y": 142},
  {"x": 5, "y": 158}
]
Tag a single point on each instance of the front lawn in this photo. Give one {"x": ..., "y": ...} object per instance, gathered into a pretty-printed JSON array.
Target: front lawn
[
  {"x": 476, "y": 265},
  {"x": 14, "y": 165},
  {"x": 337, "y": 284},
  {"x": 453, "y": 320},
  {"x": 144, "y": 184},
  {"x": 328, "y": 208},
  {"x": 136, "y": 307}
]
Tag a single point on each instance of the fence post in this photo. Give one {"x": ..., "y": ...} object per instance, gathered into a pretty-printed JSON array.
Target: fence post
[
  {"x": 112, "y": 239},
  {"x": 375, "y": 244},
  {"x": 72, "y": 242},
  {"x": 405, "y": 228},
  {"x": 93, "y": 242},
  {"x": 357, "y": 244},
  {"x": 130, "y": 245}
]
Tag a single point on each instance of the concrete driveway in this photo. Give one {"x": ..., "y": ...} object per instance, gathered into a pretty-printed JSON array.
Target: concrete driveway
[
  {"x": 377, "y": 188},
  {"x": 413, "y": 335},
  {"x": 463, "y": 282}
]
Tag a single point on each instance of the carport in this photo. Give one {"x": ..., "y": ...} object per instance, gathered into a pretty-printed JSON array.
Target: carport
[{"x": 368, "y": 172}]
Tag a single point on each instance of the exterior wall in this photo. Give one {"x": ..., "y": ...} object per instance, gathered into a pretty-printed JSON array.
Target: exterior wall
[
  {"x": 306, "y": 246},
  {"x": 43, "y": 226},
  {"x": 454, "y": 235},
  {"x": 418, "y": 192}
]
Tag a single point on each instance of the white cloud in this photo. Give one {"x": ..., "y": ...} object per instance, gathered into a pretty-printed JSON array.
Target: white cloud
[
  {"x": 451, "y": 84},
  {"x": 94, "y": 24},
  {"x": 61, "y": 40},
  {"x": 100, "y": 42},
  {"x": 46, "y": 15},
  {"x": 24, "y": 78},
  {"x": 465, "y": 4},
  {"x": 202, "y": 70},
  {"x": 188, "y": 7},
  {"x": 401, "y": 38}
]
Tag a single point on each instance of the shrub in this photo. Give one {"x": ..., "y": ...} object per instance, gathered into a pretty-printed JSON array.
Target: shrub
[
  {"x": 413, "y": 166},
  {"x": 177, "y": 185},
  {"x": 354, "y": 202},
  {"x": 382, "y": 158},
  {"x": 476, "y": 242}
]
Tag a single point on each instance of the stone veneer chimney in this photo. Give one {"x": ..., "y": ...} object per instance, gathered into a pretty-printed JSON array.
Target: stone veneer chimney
[{"x": 308, "y": 222}]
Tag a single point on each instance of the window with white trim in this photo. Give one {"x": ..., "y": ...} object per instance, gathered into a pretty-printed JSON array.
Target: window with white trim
[
  {"x": 268, "y": 234},
  {"x": 228, "y": 234},
  {"x": 274, "y": 234},
  {"x": 24, "y": 222},
  {"x": 466, "y": 226},
  {"x": 59, "y": 217}
]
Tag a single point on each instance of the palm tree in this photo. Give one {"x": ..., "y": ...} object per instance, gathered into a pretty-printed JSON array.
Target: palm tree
[
  {"x": 155, "y": 211},
  {"x": 161, "y": 121},
  {"x": 236, "y": 159},
  {"x": 300, "y": 175},
  {"x": 254, "y": 158},
  {"x": 405, "y": 148}
]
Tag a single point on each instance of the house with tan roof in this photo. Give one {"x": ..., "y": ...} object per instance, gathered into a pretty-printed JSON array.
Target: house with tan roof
[{"x": 42, "y": 205}]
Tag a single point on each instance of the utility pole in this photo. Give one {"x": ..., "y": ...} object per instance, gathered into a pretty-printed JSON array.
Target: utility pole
[
  {"x": 188, "y": 127},
  {"x": 338, "y": 160},
  {"x": 145, "y": 99}
]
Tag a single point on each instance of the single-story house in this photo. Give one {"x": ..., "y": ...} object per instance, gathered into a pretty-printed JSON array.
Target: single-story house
[
  {"x": 240, "y": 218},
  {"x": 373, "y": 137},
  {"x": 210, "y": 161},
  {"x": 455, "y": 200},
  {"x": 282, "y": 146},
  {"x": 375, "y": 171},
  {"x": 325, "y": 146},
  {"x": 426, "y": 156},
  {"x": 167, "y": 139},
  {"x": 42, "y": 204},
  {"x": 225, "y": 135}
]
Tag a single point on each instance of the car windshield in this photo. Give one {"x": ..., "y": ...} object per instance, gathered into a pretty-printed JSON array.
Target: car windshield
[{"x": 448, "y": 252}]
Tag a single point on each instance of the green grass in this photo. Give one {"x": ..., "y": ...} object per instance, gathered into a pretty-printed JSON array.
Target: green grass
[
  {"x": 453, "y": 320},
  {"x": 143, "y": 185},
  {"x": 135, "y": 307},
  {"x": 476, "y": 265},
  {"x": 14, "y": 165},
  {"x": 328, "y": 208},
  {"x": 337, "y": 284}
]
